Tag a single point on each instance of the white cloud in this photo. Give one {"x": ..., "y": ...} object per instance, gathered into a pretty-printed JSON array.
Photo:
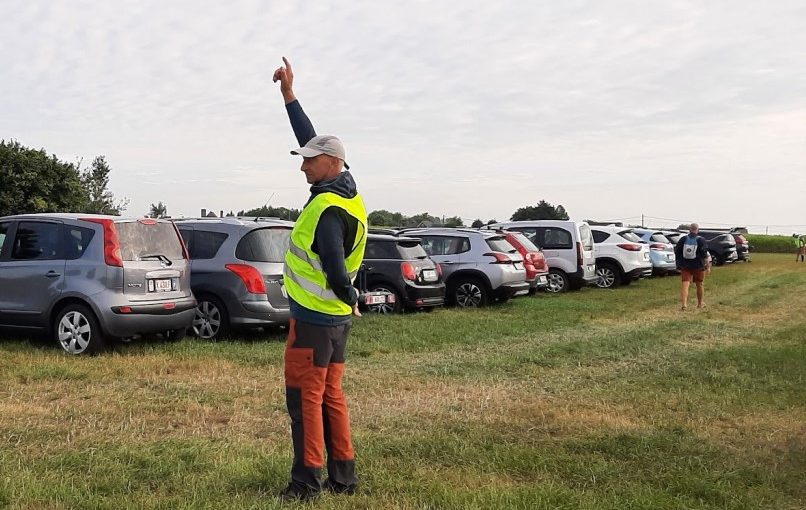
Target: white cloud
[{"x": 474, "y": 108}]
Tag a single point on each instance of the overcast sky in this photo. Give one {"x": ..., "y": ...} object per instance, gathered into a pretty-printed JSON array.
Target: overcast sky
[{"x": 682, "y": 110}]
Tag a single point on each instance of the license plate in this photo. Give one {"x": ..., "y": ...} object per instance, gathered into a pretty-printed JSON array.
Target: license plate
[
  {"x": 429, "y": 275},
  {"x": 376, "y": 300},
  {"x": 646, "y": 255},
  {"x": 542, "y": 279},
  {"x": 670, "y": 256},
  {"x": 162, "y": 285},
  {"x": 518, "y": 265}
]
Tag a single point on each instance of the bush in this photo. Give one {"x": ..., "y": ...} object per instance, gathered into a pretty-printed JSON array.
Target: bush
[{"x": 771, "y": 244}]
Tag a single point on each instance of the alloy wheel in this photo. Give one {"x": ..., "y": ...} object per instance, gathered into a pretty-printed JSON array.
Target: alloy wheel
[
  {"x": 606, "y": 277},
  {"x": 207, "y": 321},
  {"x": 468, "y": 295},
  {"x": 556, "y": 283},
  {"x": 75, "y": 332}
]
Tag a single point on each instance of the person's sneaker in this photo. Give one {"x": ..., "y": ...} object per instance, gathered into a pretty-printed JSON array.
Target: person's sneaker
[
  {"x": 337, "y": 488},
  {"x": 294, "y": 492}
]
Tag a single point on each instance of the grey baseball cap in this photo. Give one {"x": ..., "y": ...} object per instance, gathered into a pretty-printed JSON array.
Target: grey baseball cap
[{"x": 322, "y": 144}]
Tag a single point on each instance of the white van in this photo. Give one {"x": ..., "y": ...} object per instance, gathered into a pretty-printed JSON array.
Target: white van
[{"x": 568, "y": 248}]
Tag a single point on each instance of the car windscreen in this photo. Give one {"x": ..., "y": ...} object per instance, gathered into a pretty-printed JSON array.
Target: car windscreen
[
  {"x": 139, "y": 238},
  {"x": 585, "y": 237},
  {"x": 500, "y": 244},
  {"x": 525, "y": 242},
  {"x": 411, "y": 250},
  {"x": 631, "y": 236},
  {"x": 660, "y": 238},
  {"x": 264, "y": 245}
]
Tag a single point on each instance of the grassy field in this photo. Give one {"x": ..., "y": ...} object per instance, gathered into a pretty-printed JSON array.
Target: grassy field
[{"x": 590, "y": 400}]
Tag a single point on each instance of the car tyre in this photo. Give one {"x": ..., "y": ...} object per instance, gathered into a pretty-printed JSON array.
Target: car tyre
[
  {"x": 609, "y": 276},
  {"x": 558, "y": 282},
  {"x": 211, "y": 321},
  {"x": 77, "y": 331},
  {"x": 468, "y": 293},
  {"x": 386, "y": 308},
  {"x": 715, "y": 260}
]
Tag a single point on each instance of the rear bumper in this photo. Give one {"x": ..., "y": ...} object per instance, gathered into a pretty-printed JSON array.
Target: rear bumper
[
  {"x": 148, "y": 318},
  {"x": 640, "y": 272},
  {"x": 423, "y": 296},
  {"x": 259, "y": 313},
  {"x": 509, "y": 290},
  {"x": 540, "y": 281}
]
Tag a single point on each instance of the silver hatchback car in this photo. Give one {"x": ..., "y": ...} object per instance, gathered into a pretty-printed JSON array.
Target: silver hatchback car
[
  {"x": 478, "y": 266},
  {"x": 88, "y": 278}
]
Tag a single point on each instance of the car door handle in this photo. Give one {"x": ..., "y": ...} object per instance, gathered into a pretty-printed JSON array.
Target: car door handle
[{"x": 52, "y": 274}]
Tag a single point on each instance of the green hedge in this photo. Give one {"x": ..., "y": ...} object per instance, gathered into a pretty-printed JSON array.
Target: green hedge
[{"x": 771, "y": 244}]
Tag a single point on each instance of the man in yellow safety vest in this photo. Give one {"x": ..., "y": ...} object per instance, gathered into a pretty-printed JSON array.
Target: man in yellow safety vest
[{"x": 326, "y": 249}]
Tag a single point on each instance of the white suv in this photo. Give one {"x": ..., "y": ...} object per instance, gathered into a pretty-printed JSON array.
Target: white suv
[{"x": 621, "y": 256}]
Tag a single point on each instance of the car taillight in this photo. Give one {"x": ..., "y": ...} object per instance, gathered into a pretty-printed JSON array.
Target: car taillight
[
  {"x": 629, "y": 246},
  {"x": 740, "y": 240},
  {"x": 439, "y": 269},
  {"x": 250, "y": 277},
  {"x": 147, "y": 221},
  {"x": 657, "y": 246},
  {"x": 182, "y": 242},
  {"x": 408, "y": 271},
  {"x": 500, "y": 258},
  {"x": 579, "y": 255},
  {"x": 112, "y": 255}
]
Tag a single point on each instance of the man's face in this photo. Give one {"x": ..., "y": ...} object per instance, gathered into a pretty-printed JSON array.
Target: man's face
[{"x": 319, "y": 168}]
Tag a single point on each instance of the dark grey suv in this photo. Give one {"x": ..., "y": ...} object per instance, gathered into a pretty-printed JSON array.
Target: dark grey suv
[
  {"x": 88, "y": 278},
  {"x": 237, "y": 272}
]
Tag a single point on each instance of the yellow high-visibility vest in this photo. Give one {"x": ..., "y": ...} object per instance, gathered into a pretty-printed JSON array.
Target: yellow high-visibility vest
[{"x": 304, "y": 278}]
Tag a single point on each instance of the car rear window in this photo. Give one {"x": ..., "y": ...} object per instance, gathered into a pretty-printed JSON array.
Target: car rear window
[
  {"x": 500, "y": 244},
  {"x": 381, "y": 250},
  {"x": 411, "y": 250},
  {"x": 138, "y": 239},
  {"x": 631, "y": 236},
  {"x": 660, "y": 238},
  {"x": 264, "y": 245},
  {"x": 585, "y": 237},
  {"x": 524, "y": 241}
]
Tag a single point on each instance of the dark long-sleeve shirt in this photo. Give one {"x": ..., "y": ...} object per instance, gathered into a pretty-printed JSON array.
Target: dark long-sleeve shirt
[{"x": 335, "y": 232}]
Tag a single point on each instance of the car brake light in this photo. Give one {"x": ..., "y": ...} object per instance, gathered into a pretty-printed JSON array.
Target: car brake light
[
  {"x": 500, "y": 258},
  {"x": 439, "y": 269},
  {"x": 579, "y": 254},
  {"x": 739, "y": 239},
  {"x": 408, "y": 271},
  {"x": 147, "y": 221},
  {"x": 629, "y": 246},
  {"x": 657, "y": 246},
  {"x": 250, "y": 276},
  {"x": 112, "y": 255}
]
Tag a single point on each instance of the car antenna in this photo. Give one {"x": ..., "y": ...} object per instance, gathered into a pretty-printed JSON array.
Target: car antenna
[{"x": 265, "y": 205}]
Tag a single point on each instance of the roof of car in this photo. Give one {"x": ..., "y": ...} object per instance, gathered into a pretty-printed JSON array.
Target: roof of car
[
  {"x": 72, "y": 216},
  {"x": 610, "y": 228},
  {"x": 449, "y": 230},
  {"x": 238, "y": 220},
  {"x": 391, "y": 238}
]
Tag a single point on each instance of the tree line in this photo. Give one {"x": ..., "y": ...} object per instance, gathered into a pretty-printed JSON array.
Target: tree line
[{"x": 31, "y": 181}]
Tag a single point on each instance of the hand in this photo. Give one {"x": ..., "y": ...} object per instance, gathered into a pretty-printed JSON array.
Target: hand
[
  {"x": 286, "y": 78},
  {"x": 356, "y": 311}
]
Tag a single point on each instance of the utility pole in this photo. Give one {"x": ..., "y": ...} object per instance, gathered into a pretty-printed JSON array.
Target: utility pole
[{"x": 642, "y": 221}]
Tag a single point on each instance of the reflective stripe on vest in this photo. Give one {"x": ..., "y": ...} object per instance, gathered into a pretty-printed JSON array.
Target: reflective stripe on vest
[{"x": 305, "y": 279}]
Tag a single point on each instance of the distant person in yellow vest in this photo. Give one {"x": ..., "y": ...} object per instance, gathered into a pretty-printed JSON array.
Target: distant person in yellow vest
[
  {"x": 800, "y": 244},
  {"x": 325, "y": 253}
]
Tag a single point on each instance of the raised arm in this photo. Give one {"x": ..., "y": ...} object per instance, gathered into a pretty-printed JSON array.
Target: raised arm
[{"x": 300, "y": 123}]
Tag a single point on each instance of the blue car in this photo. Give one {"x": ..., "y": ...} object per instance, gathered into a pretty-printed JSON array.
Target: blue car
[{"x": 661, "y": 251}]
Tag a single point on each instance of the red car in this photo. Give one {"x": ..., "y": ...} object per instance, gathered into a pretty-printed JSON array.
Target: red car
[{"x": 537, "y": 269}]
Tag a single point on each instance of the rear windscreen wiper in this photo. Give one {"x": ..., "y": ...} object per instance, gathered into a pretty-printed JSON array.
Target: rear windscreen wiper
[{"x": 158, "y": 256}]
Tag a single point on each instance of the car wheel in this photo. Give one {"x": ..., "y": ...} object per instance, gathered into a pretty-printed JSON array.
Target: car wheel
[
  {"x": 77, "y": 331},
  {"x": 715, "y": 260},
  {"x": 211, "y": 321},
  {"x": 386, "y": 307},
  {"x": 608, "y": 276},
  {"x": 558, "y": 281},
  {"x": 469, "y": 293}
]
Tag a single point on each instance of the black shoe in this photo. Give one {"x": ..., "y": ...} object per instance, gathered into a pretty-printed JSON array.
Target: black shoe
[
  {"x": 294, "y": 492},
  {"x": 338, "y": 488}
]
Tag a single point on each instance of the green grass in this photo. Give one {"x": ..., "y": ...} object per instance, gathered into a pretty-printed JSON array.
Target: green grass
[{"x": 590, "y": 400}]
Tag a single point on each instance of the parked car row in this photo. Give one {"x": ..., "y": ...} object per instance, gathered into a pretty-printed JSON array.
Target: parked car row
[{"x": 88, "y": 279}]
